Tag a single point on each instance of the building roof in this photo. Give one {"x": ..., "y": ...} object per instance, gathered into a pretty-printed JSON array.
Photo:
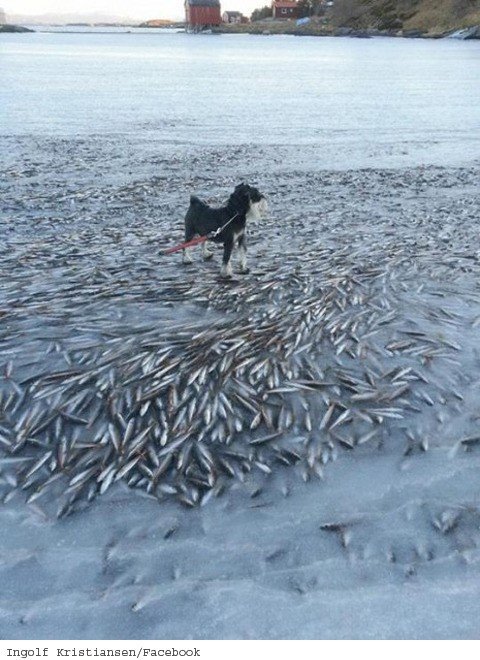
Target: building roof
[
  {"x": 203, "y": 3},
  {"x": 233, "y": 13},
  {"x": 284, "y": 4}
]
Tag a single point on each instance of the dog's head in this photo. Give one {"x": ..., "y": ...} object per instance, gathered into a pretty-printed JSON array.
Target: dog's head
[{"x": 250, "y": 201}]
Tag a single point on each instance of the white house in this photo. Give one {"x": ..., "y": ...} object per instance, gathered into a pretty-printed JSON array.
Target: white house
[{"x": 232, "y": 17}]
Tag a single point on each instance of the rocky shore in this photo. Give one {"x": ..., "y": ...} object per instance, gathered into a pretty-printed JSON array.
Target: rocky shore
[
  {"x": 313, "y": 29},
  {"x": 318, "y": 30}
]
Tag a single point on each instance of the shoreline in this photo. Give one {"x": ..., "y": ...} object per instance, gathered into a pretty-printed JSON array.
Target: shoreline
[
  {"x": 313, "y": 30},
  {"x": 471, "y": 33}
]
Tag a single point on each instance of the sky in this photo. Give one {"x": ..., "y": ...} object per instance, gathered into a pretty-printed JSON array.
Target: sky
[{"x": 141, "y": 9}]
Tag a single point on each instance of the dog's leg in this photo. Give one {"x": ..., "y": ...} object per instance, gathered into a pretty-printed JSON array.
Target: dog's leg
[
  {"x": 207, "y": 254},
  {"x": 242, "y": 247},
  {"x": 189, "y": 234},
  {"x": 187, "y": 259},
  {"x": 227, "y": 253}
]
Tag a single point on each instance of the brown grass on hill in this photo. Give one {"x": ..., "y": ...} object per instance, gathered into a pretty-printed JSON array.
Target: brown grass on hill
[
  {"x": 437, "y": 15},
  {"x": 427, "y": 15}
]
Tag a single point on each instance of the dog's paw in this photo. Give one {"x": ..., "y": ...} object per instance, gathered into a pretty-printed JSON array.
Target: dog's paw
[
  {"x": 207, "y": 256},
  {"x": 244, "y": 271}
]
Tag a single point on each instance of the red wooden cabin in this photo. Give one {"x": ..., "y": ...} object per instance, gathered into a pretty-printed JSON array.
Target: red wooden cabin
[
  {"x": 201, "y": 14},
  {"x": 284, "y": 9}
]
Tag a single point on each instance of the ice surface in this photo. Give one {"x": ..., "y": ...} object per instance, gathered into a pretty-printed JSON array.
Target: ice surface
[
  {"x": 362, "y": 102},
  {"x": 386, "y": 545},
  {"x": 383, "y": 548}
]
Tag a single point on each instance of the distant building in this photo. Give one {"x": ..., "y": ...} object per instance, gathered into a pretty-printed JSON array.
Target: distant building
[
  {"x": 3, "y": 17},
  {"x": 232, "y": 17},
  {"x": 202, "y": 14},
  {"x": 284, "y": 9}
]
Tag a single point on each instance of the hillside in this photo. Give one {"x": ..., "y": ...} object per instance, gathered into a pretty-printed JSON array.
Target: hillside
[{"x": 425, "y": 15}]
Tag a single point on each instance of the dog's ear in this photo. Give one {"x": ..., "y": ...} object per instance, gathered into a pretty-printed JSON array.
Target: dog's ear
[{"x": 243, "y": 191}]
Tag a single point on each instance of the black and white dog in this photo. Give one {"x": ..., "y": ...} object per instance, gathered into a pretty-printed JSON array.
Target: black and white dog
[{"x": 245, "y": 203}]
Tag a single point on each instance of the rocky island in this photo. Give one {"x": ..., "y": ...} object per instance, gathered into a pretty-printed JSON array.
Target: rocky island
[{"x": 14, "y": 28}]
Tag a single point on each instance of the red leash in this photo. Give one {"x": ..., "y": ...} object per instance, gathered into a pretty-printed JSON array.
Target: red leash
[
  {"x": 182, "y": 246},
  {"x": 199, "y": 239}
]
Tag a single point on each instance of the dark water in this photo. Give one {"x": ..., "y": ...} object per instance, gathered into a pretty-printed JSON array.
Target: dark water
[{"x": 377, "y": 101}]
